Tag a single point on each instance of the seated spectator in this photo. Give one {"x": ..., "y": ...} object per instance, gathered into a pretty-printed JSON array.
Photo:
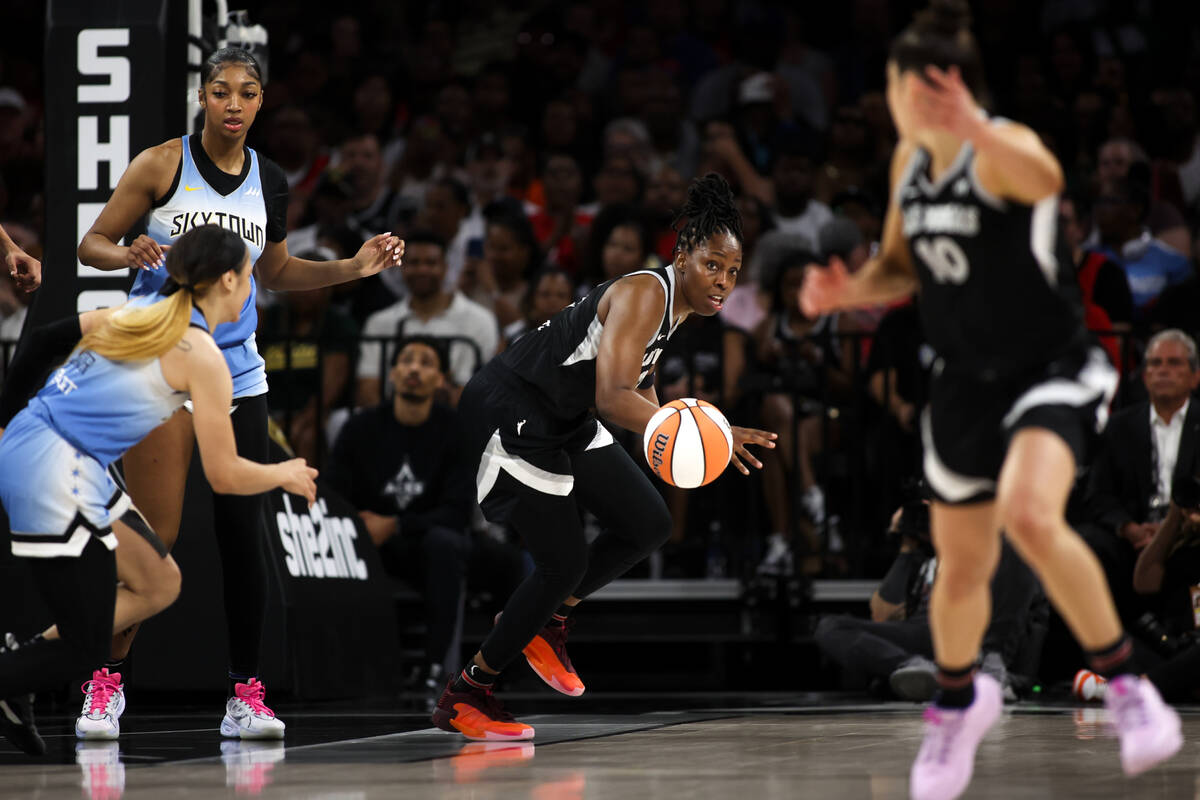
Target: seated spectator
[
  {"x": 447, "y": 213},
  {"x": 400, "y": 464},
  {"x": 895, "y": 644},
  {"x": 1113, "y": 161},
  {"x": 561, "y": 225},
  {"x": 806, "y": 365},
  {"x": 619, "y": 243},
  {"x": 375, "y": 206},
  {"x": 498, "y": 281},
  {"x": 429, "y": 309},
  {"x": 1107, "y": 301},
  {"x": 309, "y": 348},
  {"x": 549, "y": 293},
  {"x": 1144, "y": 448},
  {"x": 1150, "y": 266},
  {"x": 666, "y": 192},
  {"x": 617, "y": 182}
]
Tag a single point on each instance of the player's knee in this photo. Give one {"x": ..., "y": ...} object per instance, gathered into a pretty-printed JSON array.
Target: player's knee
[
  {"x": 164, "y": 587},
  {"x": 1028, "y": 519},
  {"x": 958, "y": 577}
]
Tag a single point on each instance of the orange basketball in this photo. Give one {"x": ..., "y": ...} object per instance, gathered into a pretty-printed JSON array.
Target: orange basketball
[{"x": 688, "y": 443}]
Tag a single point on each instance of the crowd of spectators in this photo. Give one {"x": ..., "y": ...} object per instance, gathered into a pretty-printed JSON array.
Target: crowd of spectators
[{"x": 530, "y": 151}]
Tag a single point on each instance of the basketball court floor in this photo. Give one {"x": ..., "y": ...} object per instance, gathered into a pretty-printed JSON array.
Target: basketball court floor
[{"x": 774, "y": 747}]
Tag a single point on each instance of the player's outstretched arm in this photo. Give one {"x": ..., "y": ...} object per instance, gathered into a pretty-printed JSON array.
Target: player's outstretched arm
[
  {"x": 281, "y": 272},
  {"x": 211, "y": 388},
  {"x": 887, "y": 277}
]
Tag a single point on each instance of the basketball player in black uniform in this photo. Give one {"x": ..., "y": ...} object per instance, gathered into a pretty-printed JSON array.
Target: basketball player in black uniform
[
  {"x": 1016, "y": 394},
  {"x": 541, "y": 453}
]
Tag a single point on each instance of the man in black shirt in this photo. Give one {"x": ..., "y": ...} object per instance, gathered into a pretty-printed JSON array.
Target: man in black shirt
[{"x": 400, "y": 465}]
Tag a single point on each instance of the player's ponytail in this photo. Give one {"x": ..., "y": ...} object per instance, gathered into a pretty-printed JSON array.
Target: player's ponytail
[
  {"x": 709, "y": 210},
  {"x": 940, "y": 36},
  {"x": 194, "y": 263}
]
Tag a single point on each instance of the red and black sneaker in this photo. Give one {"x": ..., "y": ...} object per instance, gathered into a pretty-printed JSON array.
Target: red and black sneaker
[
  {"x": 478, "y": 715},
  {"x": 547, "y": 655}
]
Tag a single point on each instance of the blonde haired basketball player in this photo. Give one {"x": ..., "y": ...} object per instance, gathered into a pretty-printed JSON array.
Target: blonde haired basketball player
[
  {"x": 1014, "y": 398},
  {"x": 214, "y": 178},
  {"x": 135, "y": 367},
  {"x": 541, "y": 453}
]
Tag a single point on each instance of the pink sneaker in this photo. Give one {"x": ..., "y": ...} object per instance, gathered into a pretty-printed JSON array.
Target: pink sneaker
[
  {"x": 1149, "y": 728},
  {"x": 947, "y": 757}
]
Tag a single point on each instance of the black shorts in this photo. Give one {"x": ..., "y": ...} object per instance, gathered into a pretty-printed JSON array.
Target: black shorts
[
  {"x": 969, "y": 422},
  {"x": 517, "y": 444}
]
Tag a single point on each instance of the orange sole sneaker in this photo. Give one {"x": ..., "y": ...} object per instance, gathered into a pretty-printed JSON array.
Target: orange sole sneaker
[{"x": 543, "y": 660}]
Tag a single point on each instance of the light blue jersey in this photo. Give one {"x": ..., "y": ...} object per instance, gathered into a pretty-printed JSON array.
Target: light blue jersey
[
  {"x": 54, "y": 455},
  {"x": 194, "y": 202}
]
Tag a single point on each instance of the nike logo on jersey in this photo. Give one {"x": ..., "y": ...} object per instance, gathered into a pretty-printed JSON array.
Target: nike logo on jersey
[
  {"x": 661, "y": 336},
  {"x": 187, "y": 188},
  {"x": 520, "y": 424},
  {"x": 252, "y": 192}
]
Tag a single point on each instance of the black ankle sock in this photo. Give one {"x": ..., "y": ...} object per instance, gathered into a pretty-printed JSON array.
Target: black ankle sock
[
  {"x": 234, "y": 680},
  {"x": 956, "y": 687},
  {"x": 563, "y": 612},
  {"x": 115, "y": 664},
  {"x": 474, "y": 678},
  {"x": 1116, "y": 659}
]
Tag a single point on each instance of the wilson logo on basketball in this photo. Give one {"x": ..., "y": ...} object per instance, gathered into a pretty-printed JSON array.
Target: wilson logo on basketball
[
  {"x": 688, "y": 443},
  {"x": 660, "y": 446}
]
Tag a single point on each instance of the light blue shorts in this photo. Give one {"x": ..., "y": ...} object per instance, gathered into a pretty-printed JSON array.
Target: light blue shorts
[{"x": 57, "y": 498}]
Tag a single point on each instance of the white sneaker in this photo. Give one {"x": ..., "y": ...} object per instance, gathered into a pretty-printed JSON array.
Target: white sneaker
[
  {"x": 247, "y": 717},
  {"x": 103, "y": 705},
  {"x": 778, "y": 558},
  {"x": 812, "y": 500}
]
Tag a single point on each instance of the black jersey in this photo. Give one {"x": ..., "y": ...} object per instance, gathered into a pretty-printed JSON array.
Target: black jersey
[
  {"x": 998, "y": 289},
  {"x": 559, "y": 358}
]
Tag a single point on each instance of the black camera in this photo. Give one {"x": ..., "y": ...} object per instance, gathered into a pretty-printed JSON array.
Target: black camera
[{"x": 1185, "y": 492}]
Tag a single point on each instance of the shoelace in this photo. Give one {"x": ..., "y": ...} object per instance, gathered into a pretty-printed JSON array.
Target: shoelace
[
  {"x": 941, "y": 729},
  {"x": 1129, "y": 708},
  {"x": 490, "y": 705},
  {"x": 556, "y": 637},
  {"x": 100, "y": 691},
  {"x": 252, "y": 694}
]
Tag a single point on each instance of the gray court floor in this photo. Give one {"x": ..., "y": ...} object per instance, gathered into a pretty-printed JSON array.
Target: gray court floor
[{"x": 749, "y": 754}]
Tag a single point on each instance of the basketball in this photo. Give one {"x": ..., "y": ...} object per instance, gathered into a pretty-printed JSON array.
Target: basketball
[{"x": 688, "y": 443}]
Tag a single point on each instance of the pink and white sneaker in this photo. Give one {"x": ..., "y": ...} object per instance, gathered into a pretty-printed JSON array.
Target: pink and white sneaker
[
  {"x": 103, "y": 705},
  {"x": 947, "y": 757},
  {"x": 247, "y": 716},
  {"x": 1149, "y": 729}
]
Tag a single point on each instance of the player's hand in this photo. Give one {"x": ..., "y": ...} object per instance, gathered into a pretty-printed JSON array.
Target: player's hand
[
  {"x": 741, "y": 438},
  {"x": 378, "y": 253},
  {"x": 947, "y": 103},
  {"x": 24, "y": 269},
  {"x": 297, "y": 477},
  {"x": 823, "y": 287},
  {"x": 145, "y": 253}
]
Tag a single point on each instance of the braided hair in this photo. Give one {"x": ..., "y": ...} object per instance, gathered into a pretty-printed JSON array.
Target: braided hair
[{"x": 709, "y": 210}]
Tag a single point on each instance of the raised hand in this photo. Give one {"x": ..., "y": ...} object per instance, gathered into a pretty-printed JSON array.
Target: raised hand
[
  {"x": 823, "y": 287},
  {"x": 945, "y": 102},
  {"x": 744, "y": 436},
  {"x": 378, "y": 253}
]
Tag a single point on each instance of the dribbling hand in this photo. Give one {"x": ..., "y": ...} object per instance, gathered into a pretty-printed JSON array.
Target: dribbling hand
[
  {"x": 299, "y": 478},
  {"x": 145, "y": 253},
  {"x": 744, "y": 436},
  {"x": 823, "y": 287},
  {"x": 378, "y": 253}
]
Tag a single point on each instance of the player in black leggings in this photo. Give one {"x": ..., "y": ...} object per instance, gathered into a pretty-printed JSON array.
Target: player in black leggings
[{"x": 541, "y": 453}]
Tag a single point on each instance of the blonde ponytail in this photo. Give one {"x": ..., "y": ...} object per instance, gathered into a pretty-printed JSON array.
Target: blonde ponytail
[{"x": 134, "y": 334}]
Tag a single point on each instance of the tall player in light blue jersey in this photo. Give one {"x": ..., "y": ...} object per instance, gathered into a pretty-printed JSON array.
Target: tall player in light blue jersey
[
  {"x": 214, "y": 178},
  {"x": 134, "y": 369}
]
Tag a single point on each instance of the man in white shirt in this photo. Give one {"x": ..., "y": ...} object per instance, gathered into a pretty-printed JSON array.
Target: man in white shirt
[
  {"x": 795, "y": 209},
  {"x": 1145, "y": 446},
  {"x": 470, "y": 329}
]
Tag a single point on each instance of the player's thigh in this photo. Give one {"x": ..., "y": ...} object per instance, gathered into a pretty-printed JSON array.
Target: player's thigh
[
  {"x": 156, "y": 471},
  {"x": 1036, "y": 479},
  {"x": 622, "y": 497}
]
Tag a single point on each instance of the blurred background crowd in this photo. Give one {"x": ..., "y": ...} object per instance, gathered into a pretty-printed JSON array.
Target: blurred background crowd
[{"x": 530, "y": 151}]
